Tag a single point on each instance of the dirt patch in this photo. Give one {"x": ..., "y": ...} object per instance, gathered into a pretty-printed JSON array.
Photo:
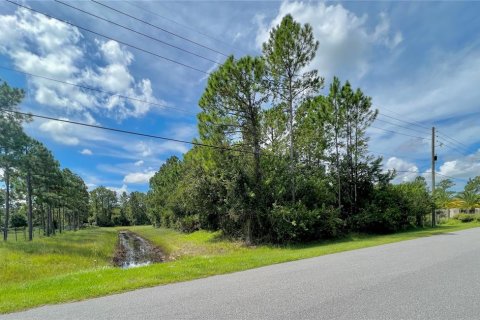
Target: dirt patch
[{"x": 133, "y": 251}]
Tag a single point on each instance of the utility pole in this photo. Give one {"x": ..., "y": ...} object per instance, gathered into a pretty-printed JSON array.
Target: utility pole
[{"x": 434, "y": 158}]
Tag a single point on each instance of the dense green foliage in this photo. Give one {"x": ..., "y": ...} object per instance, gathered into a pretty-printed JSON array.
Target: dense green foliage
[
  {"x": 287, "y": 163},
  {"x": 470, "y": 196},
  {"x": 107, "y": 209}
]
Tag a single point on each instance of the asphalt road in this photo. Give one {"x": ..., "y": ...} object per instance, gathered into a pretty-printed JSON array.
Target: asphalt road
[{"x": 430, "y": 278}]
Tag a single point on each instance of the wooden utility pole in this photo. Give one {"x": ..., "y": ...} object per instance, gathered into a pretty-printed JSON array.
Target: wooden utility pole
[{"x": 434, "y": 158}]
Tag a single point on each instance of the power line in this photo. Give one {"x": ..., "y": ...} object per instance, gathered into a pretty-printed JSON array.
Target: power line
[
  {"x": 185, "y": 26},
  {"x": 396, "y": 132},
  {"x": 198, "y": 144},
  {"x": 159, "y": 28},
  {"x": 404, "y": 121},
  {"x": 453, "y": 140},
  {"x": 97, "y": 90},
  {"x": 414, "y": 122},
  {"x": 137, "y": 32},
  {"x": 110, "y": 38},
  {"x": 444, "y": 175},
  {"x": 461, "y": 152},
  {"x": 398, "y": 125},
  {"x": 394, "y": 155}
]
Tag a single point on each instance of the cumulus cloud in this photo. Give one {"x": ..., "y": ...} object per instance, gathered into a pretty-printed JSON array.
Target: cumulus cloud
[
  {"x": 122, "y": 189},
  {"x": 345, "y": 41},
  {"x": 406, "y": 171},
  {"x": 70, "y": 134},
  {"x": 465, "y": 167},
  {"x": 47, "y": 47},
  {"x": 139, "y": 177},
  {"x": 86, "y": 152},
  {"x": 60, "y": 132}
]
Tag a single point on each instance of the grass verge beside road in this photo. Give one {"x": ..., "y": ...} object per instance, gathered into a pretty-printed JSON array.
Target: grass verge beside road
[{"x": 193, "y": 256}]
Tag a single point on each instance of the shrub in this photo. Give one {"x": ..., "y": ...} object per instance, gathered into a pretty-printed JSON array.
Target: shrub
[
  {"x": 297, "y": 223},
  {"x": 18, "y": 221},
  {"x": 189, "y": 223},
  {"x": 393, "y": 208},
  {"x": 465, "y": 217}
]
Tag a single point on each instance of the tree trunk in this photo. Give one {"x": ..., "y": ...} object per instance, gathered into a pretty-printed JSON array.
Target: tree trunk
[
  {"x": 7, "y": 203},
  {"x": 292, "y": 153},
  {"x": 49, "y": 220},
  {"x": 44, "y": 225},
  {"x": 337, "y": 158},
  {"x": 248, "y": 239},
  {"x": 30, "y": 209}
]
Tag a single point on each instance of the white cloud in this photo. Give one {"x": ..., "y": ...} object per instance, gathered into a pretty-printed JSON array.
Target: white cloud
[
  {"x": 69, "y": 134},
  {"x": 86, "y": 152},
  {"x": 139, "y": 177},
  {"x": 139, "y": 163},
  {"x": 114, "y": 54},
  {"x": 345, "y": 42},
  {"x": 91, "y": 186},
  {"x": 406, "y": 171},
  {"x": 122, "y": 189},
  {"x": 60, "y": 132},
  {"x": 465, "y": 167},
  {"x": 43, "y": 46}
]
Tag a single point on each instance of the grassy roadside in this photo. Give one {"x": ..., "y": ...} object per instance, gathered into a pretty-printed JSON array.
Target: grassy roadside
[
  {"x": 22, "y": 261},
  {"x": 196, "y": 255}
]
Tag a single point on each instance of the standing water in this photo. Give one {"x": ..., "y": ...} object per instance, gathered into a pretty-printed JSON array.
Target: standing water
[{"x": 134, "y": 251}]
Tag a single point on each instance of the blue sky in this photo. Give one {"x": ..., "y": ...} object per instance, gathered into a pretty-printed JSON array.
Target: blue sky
[{"x": 419, "y": 61}]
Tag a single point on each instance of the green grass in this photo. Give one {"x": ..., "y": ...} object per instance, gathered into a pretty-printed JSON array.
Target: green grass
[
  {"x": 22, "y": 261},
  {"x": 193, "y": 256}
]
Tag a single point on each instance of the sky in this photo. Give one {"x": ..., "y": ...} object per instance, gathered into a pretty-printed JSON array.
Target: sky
[{"x": 419, "y": 61}]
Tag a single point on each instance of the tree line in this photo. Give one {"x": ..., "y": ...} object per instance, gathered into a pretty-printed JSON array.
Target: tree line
[
  {"x": 290, "y": 163},
  {"x": 297, "y": 165},
  {"x": 37, "y": 192},
  {"x": 107, "y": 208},
  {"x": 286, "y": 163}
]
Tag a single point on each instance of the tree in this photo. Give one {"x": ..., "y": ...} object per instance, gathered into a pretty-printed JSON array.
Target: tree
[
  {"x": 102, "y": 203},
  {"x": 160, "y": 194},
  {"x": 120, "y": 217},
  {"x": 18, "y": 221},
  {"x": 234, "y": 98},
  {"x": 470, "y": 196},
  {"x": 137, "y": 209},
  {"x": 11, "y": 136},
  {"x": 443, "y": 193},
  {"x": 288, "y": 51},
  {"x": 29, "y": 166}
]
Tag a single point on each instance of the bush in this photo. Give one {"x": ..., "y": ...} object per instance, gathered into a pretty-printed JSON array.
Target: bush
[
  {"x": 393, "y": 208},
  {"x": 297, "y": 223},
  {"x": 189, "y": 223},
  {"x": 466, "y": 217},
  {"x": 18, "y": 221}
]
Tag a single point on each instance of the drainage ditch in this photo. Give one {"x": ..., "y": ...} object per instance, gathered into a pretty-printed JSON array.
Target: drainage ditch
[{"x": 135, "y": 251}]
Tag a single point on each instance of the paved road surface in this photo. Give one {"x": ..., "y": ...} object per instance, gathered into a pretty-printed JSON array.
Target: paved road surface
[{"x": 429, "y": 278}]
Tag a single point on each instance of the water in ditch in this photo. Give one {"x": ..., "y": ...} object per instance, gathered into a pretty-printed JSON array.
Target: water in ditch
[{"x": 135, "y": 251}]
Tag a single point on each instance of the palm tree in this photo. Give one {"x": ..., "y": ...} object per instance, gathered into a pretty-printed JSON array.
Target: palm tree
[{"x": 469, "y": 200}]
